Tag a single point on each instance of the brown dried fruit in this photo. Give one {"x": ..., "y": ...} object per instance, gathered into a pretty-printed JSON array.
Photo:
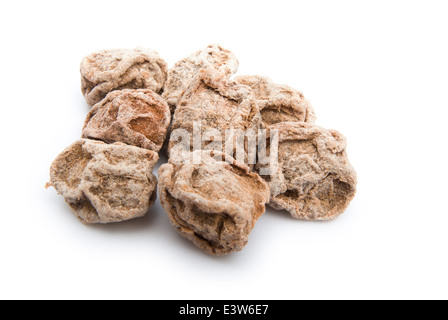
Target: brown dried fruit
[
  {"x": 278, "y": 103},
  {"x": 217, "y": 104},
  {"x": 110, "y": 70},
  {"x": 184, "y": 71},
  {"x": 136, "y": 117},
  {"x": 105, "y": 183},
  {"x": 214, "y": 204},
  {"x": 315, "y": 180}
]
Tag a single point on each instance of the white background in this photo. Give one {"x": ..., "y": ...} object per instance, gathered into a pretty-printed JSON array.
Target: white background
[{"x": 375, "y": 70}]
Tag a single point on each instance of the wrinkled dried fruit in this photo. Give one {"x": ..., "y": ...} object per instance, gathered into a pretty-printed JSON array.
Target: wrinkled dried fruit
[
  {"x": 184, "y": 71},
  {"x": 105, "y": 183},
  {"x": 136, "y": 117},
  {"x": 214, "y": 204},
  {"x": 315, "y": 180},
  {"x": 110, "y": 70},
  {"x": 278, "y": 103},
  {"x": 218, "y": 105}
]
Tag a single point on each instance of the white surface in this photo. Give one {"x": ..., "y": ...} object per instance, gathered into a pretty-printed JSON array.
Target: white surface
[{"x": 376, "y": 71}]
